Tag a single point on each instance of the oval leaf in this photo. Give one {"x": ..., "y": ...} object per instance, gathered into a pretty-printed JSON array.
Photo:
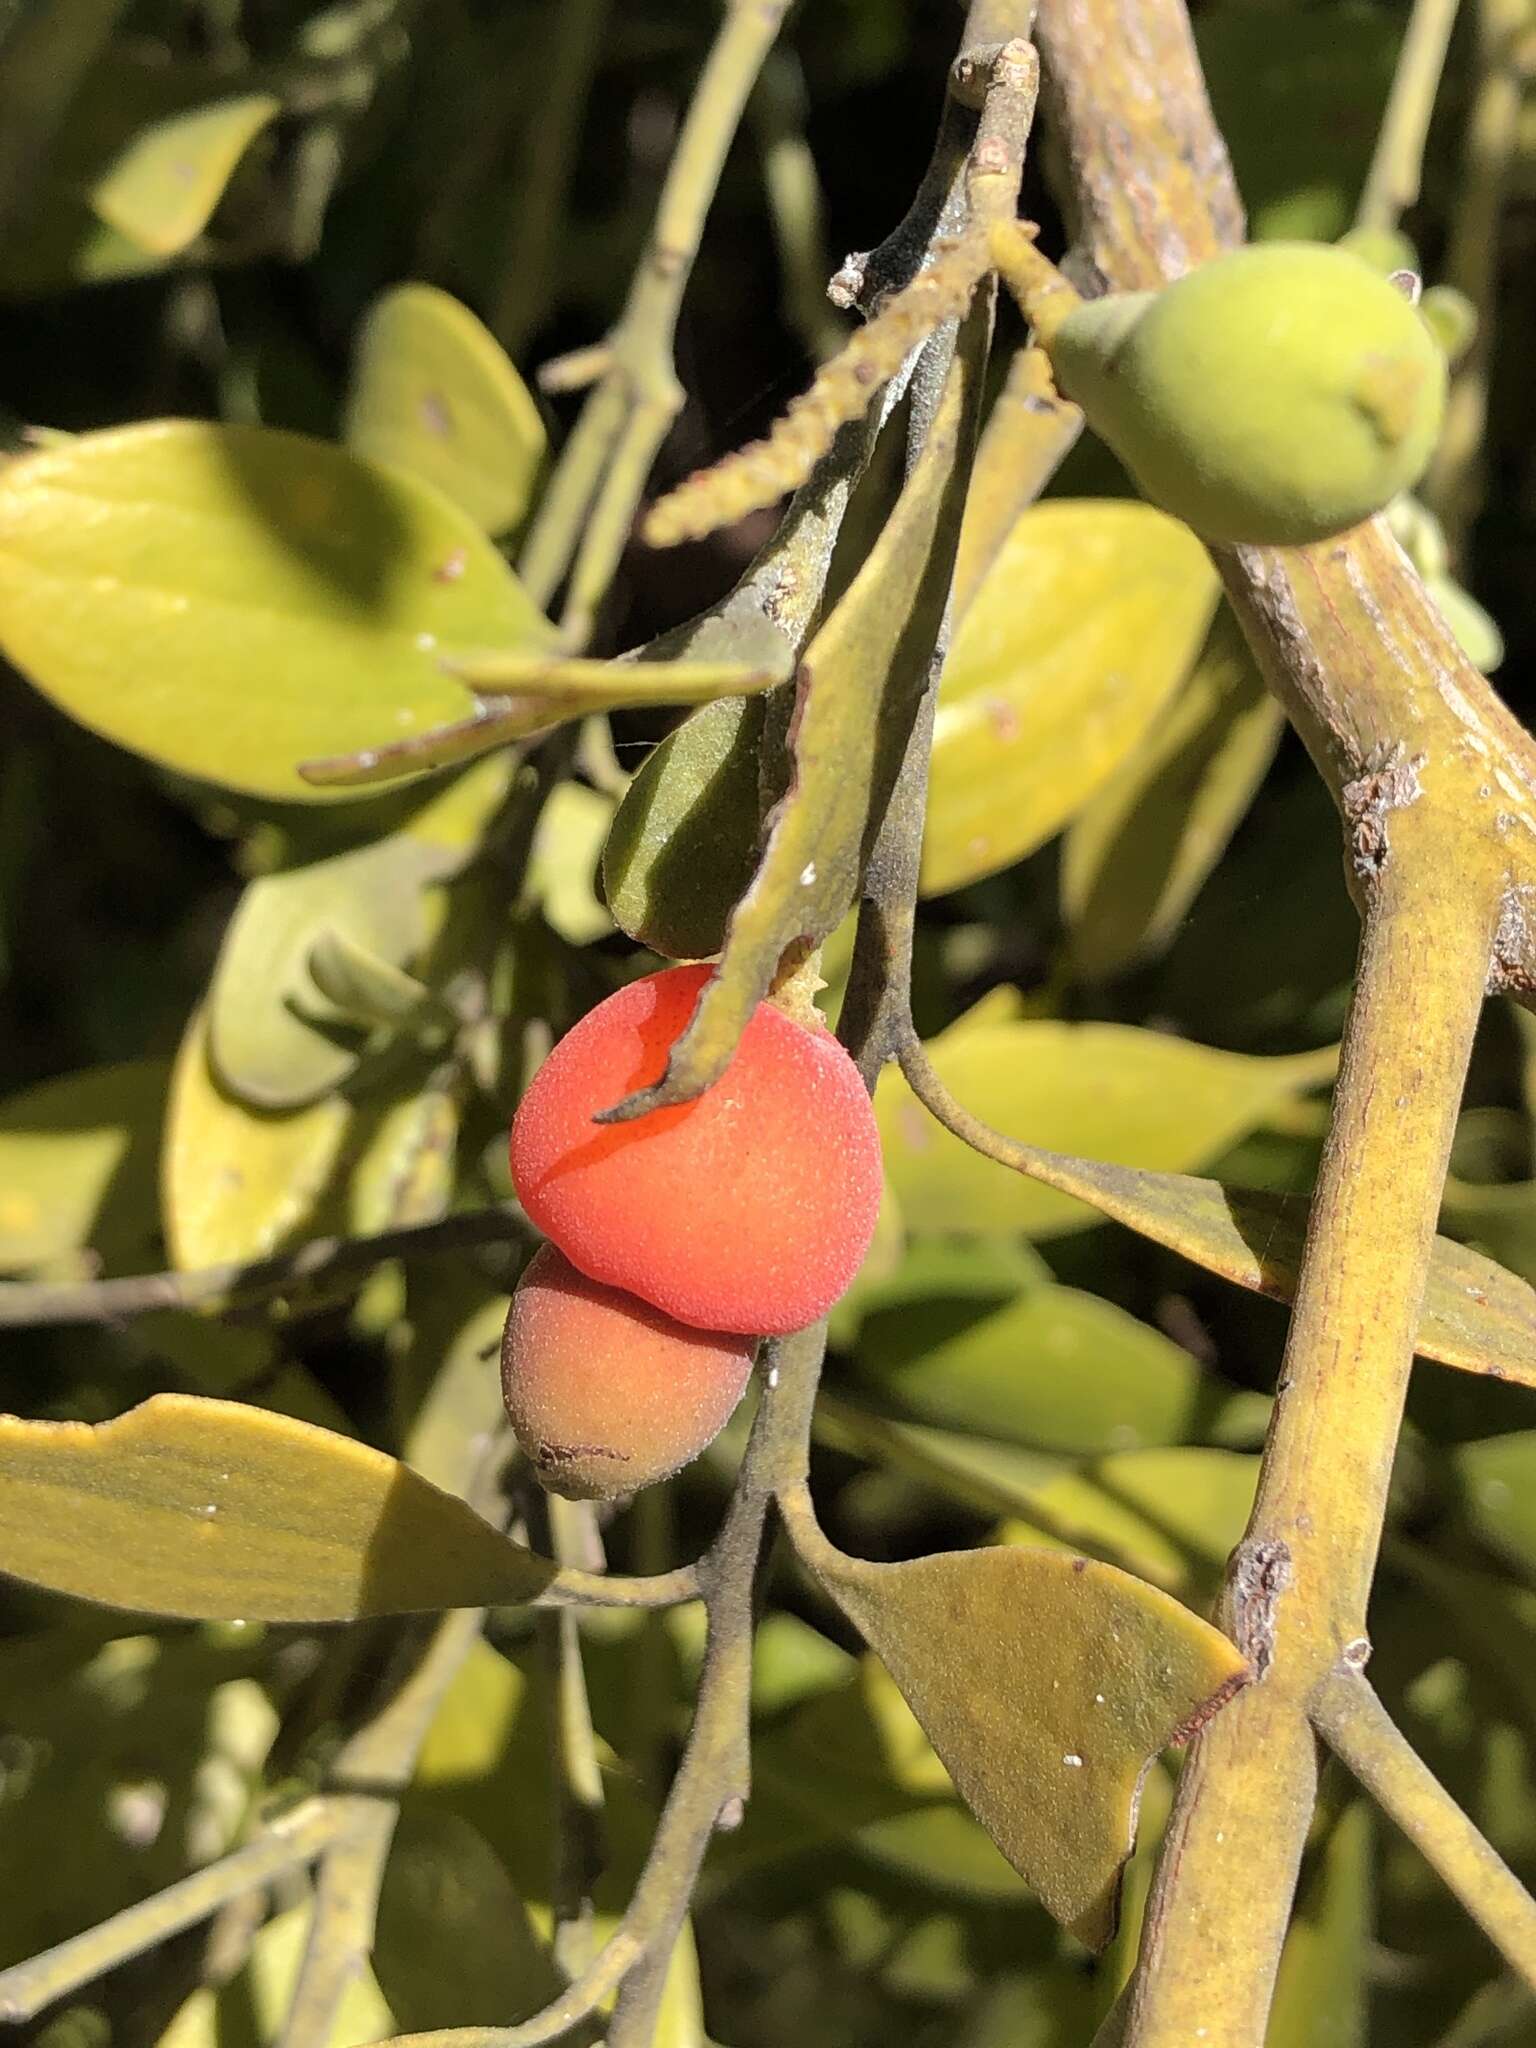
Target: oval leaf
[
  {"x": 1047, "y": 1684},
  {"x": 231, "y": 601},
  {"x": 1136, "y": 856},
  {"x": 1110, "y": 1091},
  {"x": 434, "y": 393},
  {"x": 164, "y": 184},
  {"x": 1055, "y": 1368},
  {"x": 272, "y": 1038},
  {"x": 235, "y": 1182},
  {"x": 1083, "y": 628},
  {"x": 77, "y": 1165},
  {"x": 684, "y": 840},
  {"x": 209, "y": 1510}
]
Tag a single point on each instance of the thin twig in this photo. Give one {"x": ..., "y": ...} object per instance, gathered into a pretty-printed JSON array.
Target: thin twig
[
  {"x": 1397, "y": 163},
  {"x": 1356, "y": 1726},
  {"x": 218, "y": 1289},
  {"x": 591, "y": 500},
  {"x": 291, "y": 1841}
]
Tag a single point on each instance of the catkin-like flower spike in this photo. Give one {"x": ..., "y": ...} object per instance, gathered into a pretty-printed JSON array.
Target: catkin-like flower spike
[{"x": 758, "y": 474}]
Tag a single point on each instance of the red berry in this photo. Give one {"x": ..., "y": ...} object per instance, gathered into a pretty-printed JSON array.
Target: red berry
[
  {"x": 749, "y": 1209},
  {"x": 606, "y": 1393}
]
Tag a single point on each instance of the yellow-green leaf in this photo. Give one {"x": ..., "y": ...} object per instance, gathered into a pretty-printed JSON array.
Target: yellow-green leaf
[
  {"x": 1108, "y": 1091},
  {"x": 273, "y": 1039},
  {"x": 1137, "y": 853},
  {"x": 1046, "y": 1684},
  {"x": 235, "y": 1182},
  {"x": 1172, "y": 1516},
  {"x": 1080, "y": 633},
  {"x": 213, "y": 1511},
  {"x": 434, "y": 393},
  {"x": 161, "y": 189},
  {"x": 77, "y": 1166},
  {"x": 232, "y": 601},
  {"x": 253, "y": 2005},
  {"x": 562, "y": 866},
  {"x": 1054, "y": 1367}
]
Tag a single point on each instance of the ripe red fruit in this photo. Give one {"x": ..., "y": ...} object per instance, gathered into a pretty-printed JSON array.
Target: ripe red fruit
[
  {"x": 749, "y": 1209},
  {"x": 607, "y": 1394}
]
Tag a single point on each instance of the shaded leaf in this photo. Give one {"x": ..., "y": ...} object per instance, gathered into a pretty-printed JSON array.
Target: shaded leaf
[
  {"x": 213, "y": 1511},
  {"x": 1081, "y": 631},
  {"x": 1136, "y": 855},
  {"x": 162, "y": 187},
  {"x": 1110, "y": 1091},
  {"x": 231, "y": 601},
  {"x": 454, "y": 1945},
  {"x": 249, "y": 2011},
  {"x": 1321, "y": 1989},
  {"x": 1046, "y": 1684},
  {"x": 857, "y": 692},
  {"x": 1498, "y": 1480},
  {"x": 1054, "y": 1367},
  {"x": 433, "y": 392},
  {"x": 683, "y": 843},
  {"x": 77, "y": 1166},
  {"x": 1298, "y": 97}
]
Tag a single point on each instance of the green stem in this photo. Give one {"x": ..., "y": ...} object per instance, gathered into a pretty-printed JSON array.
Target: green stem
[
  {"x": 1397, "y": 163},
  {"x": 1362, "y": 1734},
  {"x": 588, "y": 509},
  {"x": 289, "y": 1843},
  {"x": 1299, "y": 1581}
]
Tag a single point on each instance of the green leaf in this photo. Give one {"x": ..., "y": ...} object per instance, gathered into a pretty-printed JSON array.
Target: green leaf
[
  {"x": 161, "y": 189},
  {"x": 1498, "y": 1482},
  {"x": 1476, "y": 1315},
  {"x": 857, "y": 692},
  {"x": 684, "y": 840},
  {"x": 434, "y": 393},
  {"x": 213, "y": 1511},
  {"x": 1172, "y": 1516},
  {"x": 1109, "y": 1091},
  {"x": 273, "y": 1038},
  {"x": 236, "y": 1182},
  {"x": 77, "y": 1166},
  {"x": 562, "y": 867},
  {"x": 1046, "y": 694},
  {"x": 1321, "y": 1992},
  {"x": 454, "y": 1946},
  {"x": 249, "y": 2011},
  {"x": 1055, "y": 1368},
  {"x": 233, "y": 601},
  {"x": 1046, "y": 1684},
  {"x": 1136, "y": 855}
]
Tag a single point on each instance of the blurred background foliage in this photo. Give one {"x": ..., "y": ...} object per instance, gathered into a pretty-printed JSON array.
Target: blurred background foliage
[{"x": 1135, "y": 940}]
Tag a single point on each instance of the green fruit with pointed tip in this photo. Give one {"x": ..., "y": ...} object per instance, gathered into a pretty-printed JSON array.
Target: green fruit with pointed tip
[
  {"x": 683, "y": 843},
  {"x": 1276, "y": 395}
]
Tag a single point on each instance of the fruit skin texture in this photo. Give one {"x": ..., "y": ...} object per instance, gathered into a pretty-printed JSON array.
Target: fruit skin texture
[
  {"x": 607, "y": 1394},
  {"x": 1275, "y": 395},
  {"x": 749, "y": 1209}
]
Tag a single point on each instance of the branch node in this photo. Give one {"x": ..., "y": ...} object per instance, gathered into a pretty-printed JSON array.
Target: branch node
[{"x": 1260, "y": 1573}]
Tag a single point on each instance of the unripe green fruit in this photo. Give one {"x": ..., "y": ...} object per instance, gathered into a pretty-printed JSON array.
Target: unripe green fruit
[
  {"x": 1276, "y": 395},
  {"x": 605, "y": 1393}
]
